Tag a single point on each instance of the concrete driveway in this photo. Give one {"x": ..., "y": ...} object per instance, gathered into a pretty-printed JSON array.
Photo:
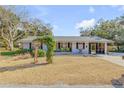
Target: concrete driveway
[{"x": 113, "y": 59}]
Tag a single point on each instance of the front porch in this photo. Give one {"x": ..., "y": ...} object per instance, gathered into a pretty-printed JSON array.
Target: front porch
[
  {"x": 81, "y": 47},
  {"x": 74, "y": 44},
  {"x": 97, "y": 48}
]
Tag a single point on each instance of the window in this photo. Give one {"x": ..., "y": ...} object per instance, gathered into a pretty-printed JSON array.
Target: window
[
  {"x": 76, "y": 45},
  {"x": 30, "y": 46},
  {"x": 83, "y": 45},
  {"x": 59, "y": 45},
  {"x": 68, "y": 45}
]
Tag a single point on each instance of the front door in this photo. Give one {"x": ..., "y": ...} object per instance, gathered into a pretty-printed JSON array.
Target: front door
[
  {"x": 100, "y": 48},
  {"x": 96, "y": 48},
  {"x": 93, "y": 48}
]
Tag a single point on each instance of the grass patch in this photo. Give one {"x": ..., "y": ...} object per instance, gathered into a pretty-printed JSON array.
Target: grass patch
[{"x": 72, "y": 70}]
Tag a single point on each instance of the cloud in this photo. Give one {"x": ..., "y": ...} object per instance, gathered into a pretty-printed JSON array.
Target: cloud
[
  {"x": 85, "y": 24},
  {"x": 91, "y": 10}
]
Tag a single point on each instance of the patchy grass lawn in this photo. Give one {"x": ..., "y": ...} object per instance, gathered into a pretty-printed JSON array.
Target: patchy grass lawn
[{"x": 72, "y": 70}]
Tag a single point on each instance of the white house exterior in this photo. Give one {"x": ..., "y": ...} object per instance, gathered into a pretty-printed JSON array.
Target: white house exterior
[{"x": 74, "y": 44}]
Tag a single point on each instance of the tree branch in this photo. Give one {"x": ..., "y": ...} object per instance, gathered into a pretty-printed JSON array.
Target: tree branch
[{"x": 3, "y": 36}]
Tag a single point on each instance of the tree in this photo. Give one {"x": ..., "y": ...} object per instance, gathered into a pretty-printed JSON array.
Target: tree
[
  {"x": 11, "y": 28},
  {"x": 49, "y": 41},
  {"x": 44, "y": 35},
  {"x": 36, "y": 27},
  {"x": 109, "y": 29}
]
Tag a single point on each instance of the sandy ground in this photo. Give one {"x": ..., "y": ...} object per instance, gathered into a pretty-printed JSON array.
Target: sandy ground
[{"x": 57, "y": 86}]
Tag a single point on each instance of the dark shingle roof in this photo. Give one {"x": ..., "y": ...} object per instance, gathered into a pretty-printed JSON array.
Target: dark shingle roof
[{"x": 71, "y": 39}]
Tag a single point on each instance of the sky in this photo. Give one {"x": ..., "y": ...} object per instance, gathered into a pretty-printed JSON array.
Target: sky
[{"x": 66, "y": 20}]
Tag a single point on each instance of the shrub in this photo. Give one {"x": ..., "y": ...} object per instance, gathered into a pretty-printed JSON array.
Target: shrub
[
  {"x": 57, "y": 50},
  {"x": 67, "y": 49},
  {"x": 117, "y": 50},
  {"x": 41, "y": 53},
  {"x": 17, "y": 52},
  {"x": 62, "y": 49},
  {"x": 23, "y": 51},
  {"x": 10, "y": 53}
]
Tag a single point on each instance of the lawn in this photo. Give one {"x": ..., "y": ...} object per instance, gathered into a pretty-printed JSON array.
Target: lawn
[{"x": 71, "y": 70}]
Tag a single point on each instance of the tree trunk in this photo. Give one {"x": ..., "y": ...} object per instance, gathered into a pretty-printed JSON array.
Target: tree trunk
[
  {"x": 118, "y": 48},
  {"x": 36, "y": 55},
  {"x": 11, "y": 45}
]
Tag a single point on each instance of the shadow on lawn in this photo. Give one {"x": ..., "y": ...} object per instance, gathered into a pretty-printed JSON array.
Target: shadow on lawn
[
  {"x": 118, "y": 83},
  {"x": 23, "y": 66}
]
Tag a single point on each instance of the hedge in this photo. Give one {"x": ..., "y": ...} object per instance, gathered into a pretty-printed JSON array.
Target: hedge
[
  {"x": 17, "y": 52},
  {"x": 63, "y": 50},
  {"x": 41, "y": 53}
]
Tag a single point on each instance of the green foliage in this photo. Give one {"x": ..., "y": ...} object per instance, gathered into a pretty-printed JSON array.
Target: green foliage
[
  {"x": 67, "y": 49},
  {"x": 23, "y": 51},
  {"x": 50, "y": 45},
  {"x": 119, "y": 51},
  {"x": 13, "y": 27},
  {"x": 17, "y": 52},
  {"x": 9, "y": 30},
  {"x": 50, "y": 42},
  {"x": 41, "y": 53},
  {"x": 63, "y": 50},
  {"x": 37, "y": 28},
  {"x": 109, "y": 29},
  {"x": 10, "y": 53}
]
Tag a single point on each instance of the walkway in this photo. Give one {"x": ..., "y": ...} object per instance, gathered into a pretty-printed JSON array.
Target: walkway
[{"x": 113, "y": 59}]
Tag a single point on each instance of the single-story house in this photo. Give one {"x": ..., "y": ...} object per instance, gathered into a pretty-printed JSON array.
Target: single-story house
[{"x": 74, "y": 44}]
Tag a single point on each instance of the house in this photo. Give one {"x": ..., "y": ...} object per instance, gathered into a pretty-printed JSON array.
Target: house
[{"x": 73, "y": 44}]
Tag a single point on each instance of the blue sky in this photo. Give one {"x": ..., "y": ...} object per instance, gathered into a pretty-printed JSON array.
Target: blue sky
[{"x": 67, "y": 19}]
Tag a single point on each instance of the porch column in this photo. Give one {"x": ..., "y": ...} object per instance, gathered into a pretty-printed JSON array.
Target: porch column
[
  {"x": 73, "y": 47},
  {"x": 86, "y": 47},
  {"x": 105, "y": 47}
]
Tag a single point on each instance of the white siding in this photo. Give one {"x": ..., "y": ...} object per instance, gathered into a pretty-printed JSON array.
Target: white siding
[
  {"x": 86, "y": 49},
  {"x": 105, "y": 48},
  {"x": 74, "y": 50},
  {"x": 26, "y": 45},
  {"x": 44, "y": 47}
]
